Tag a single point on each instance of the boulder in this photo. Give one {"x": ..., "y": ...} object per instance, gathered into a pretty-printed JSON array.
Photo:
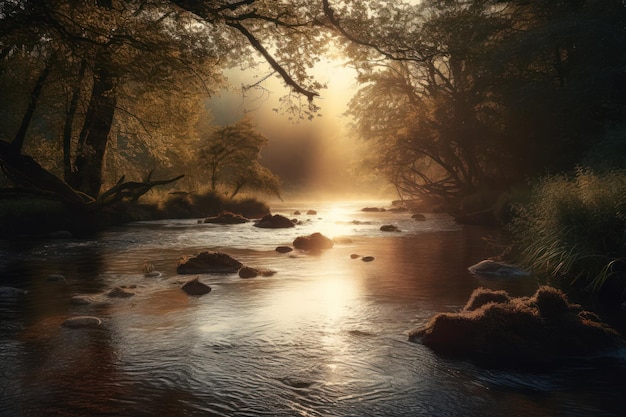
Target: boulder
[
  {"x": 506, "y": 331},
  {"x": 226, "y": 217},
  {"x": 489, "y": 267},
  {"x": 389, "y": 228},
  {"x": 249, "y": 272},
  {"x": 195, "y": 287},
  {"x": 275, "y": 221},
  {"x": 284, "y": 249},
  {"x": 313, "y": 242},
  {"x": 208, "y": 262},
  {"x": 82, "y": 322}
]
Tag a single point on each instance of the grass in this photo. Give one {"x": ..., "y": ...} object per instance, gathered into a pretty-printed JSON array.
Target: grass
[{"x": 574, "y": 229}]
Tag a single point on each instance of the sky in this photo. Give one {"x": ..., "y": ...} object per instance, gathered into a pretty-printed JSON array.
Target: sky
[{"x": 315, "y": 159}]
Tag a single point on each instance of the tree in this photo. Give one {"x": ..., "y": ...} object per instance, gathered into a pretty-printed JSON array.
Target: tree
[
  {"x": 231, "y": 155},
  {"x": 111, "y": 52},
  {"x": 460, "y": 95},
  {"x": 425, "y": 106}
]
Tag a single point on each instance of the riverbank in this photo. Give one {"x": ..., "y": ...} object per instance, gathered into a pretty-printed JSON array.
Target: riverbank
[{"x": 37, "y": 216}]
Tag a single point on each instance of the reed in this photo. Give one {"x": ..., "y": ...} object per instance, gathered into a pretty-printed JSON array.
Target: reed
[{"x": 574, "y": 229}]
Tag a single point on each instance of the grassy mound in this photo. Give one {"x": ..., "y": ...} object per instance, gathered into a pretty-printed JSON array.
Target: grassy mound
[{"x": 496, "y": 328}]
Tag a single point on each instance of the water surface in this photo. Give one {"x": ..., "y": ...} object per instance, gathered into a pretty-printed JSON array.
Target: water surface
[{"x": 325, "y": 336}]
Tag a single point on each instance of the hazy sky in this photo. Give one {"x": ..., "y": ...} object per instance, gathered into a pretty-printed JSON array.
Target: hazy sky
[{"x": 317, "y": 157}]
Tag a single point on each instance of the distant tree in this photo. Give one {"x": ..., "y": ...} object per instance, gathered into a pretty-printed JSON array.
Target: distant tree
[{"x": 230, "y": 157}]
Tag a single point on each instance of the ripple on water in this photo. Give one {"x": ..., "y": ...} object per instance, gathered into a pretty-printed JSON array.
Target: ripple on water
[{"x": 325, "y": 336}]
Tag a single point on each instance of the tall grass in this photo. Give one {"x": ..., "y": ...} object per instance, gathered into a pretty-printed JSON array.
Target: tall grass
[{"x": 574, "y": 229}]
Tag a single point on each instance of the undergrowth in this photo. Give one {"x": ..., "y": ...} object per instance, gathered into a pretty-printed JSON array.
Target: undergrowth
[{"x": 574, "y": 229}]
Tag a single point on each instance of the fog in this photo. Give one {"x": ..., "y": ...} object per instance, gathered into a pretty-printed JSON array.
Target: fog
[{"x": 315, "y": 159}]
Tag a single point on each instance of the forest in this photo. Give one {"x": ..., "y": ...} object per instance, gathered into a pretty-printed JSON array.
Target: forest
[{"x": 515, "y": 108}]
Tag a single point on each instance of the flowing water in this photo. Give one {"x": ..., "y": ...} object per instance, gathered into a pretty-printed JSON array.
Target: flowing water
[{"x": 325, "y": 336}]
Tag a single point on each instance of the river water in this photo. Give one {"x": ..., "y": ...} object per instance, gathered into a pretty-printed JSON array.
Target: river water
[{"x": 325, "y": 336}]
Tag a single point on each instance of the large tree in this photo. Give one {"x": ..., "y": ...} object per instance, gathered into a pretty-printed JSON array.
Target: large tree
[
  {"x": 459, "y": 95},
  {"x": 112, "y": 54}
]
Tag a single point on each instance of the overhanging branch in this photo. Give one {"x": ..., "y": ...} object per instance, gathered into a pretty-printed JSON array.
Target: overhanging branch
[{"x": 256, "y": 44}]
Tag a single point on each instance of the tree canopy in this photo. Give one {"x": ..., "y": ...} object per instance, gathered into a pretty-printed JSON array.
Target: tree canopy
[
  {"x": 455, "y": 95},
  {"x": 133, "y": 73},
  {"x": 459, "y": 95}
]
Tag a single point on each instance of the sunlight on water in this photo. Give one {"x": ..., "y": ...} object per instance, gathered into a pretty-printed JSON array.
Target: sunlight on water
[{"x": 325, "y": 336}]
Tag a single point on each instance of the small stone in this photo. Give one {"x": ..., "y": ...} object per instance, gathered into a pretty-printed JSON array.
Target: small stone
[
  {"x": 82, "y": 322},
  {"x": 284, "y": 249},
  {"x": 367, "y": 258},
  {"x": 247, "y": 272},
  {"x": 55, "y": 278},
  {"x": 389, "y": 228},
  {"x": 354, "y": 256}
]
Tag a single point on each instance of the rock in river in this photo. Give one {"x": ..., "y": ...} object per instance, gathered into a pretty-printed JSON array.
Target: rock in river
[
  {"x": 208, "y": 262},
  {"x": 489, "y": 267},
  {"x": 195, "y": 287},
  {"x": 11, "y": 292},
  {"x": 226, "y": 217},
  {"x": 389, "y": 228},
  {"x": 313, "y": 242},
  {"x": 82, "y": 322},
  {"x": 283, "y": 249},
  {"x": 249, "y": 272},
  {"x": 274, "y": 222}
]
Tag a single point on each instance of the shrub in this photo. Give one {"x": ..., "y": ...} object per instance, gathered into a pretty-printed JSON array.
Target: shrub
[{"x": 575, "y": 228}]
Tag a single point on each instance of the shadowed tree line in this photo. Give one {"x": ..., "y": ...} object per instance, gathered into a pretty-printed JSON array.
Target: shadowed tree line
[{"x": 461, "y": 99}]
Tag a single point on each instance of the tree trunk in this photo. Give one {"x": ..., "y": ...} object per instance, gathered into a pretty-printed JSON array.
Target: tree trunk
[
  {"x": 20, "y": 136},
  {"x": 92, "y": 143},
  {"x": 69, "y": 122}
]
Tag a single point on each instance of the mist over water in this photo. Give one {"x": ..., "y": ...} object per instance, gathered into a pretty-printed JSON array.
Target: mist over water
[{"x": 325, "y": 336}]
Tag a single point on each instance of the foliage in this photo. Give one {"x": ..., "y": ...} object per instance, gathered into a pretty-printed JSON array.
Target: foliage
[
  {"x": 120, "y": 83},
  {"x": 230, "y": 156},
  {"x": 459, "y": 96},
  {"x": 574, "y": 229}
]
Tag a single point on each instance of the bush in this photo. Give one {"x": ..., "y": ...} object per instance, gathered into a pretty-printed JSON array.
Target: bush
[{"x": 575, "y": 229}]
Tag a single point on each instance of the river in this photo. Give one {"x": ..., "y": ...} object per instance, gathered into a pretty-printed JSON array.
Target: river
[{"x": 325, "y": 336}]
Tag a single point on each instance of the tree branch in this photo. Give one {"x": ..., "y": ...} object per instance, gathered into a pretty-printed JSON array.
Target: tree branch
[{"x": 256, "y": 44}]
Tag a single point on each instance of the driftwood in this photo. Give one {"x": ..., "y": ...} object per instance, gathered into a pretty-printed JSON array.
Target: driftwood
[
  {"x": 131, "y": 190},
  {"x": 25, "y": 172}
]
